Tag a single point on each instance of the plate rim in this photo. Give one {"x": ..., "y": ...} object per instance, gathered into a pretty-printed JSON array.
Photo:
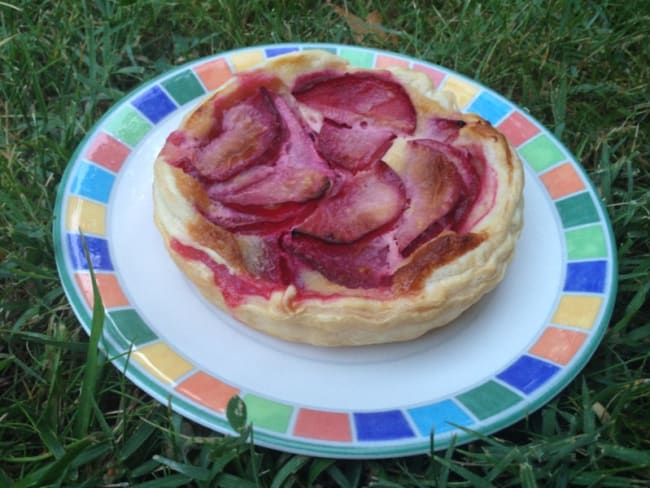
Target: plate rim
[{"x": 314, "y": 446}]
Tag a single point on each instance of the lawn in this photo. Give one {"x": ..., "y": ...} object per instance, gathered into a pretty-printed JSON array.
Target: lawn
[{"x": 68, "y": 418}]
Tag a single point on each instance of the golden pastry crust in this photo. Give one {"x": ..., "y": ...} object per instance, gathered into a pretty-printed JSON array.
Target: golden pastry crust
[{"x": 429, "y": 287}]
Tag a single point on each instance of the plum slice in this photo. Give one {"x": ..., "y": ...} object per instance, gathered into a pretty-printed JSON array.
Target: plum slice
[
  {"x": 220, "y": 190},
  {"x": 442, "y": 129},
  {"x": 353, "y": 148},
  {"x": 353, "y": 98},
  {"x": 359, "y": 205},
  {"x": 263, "y": 257},
  {"x": 250, "y": 134},
  {"x": 434, "y": 187},
  {"x": 298, "y": 174},
  {"x": 478, "y": 183},
  {"x": 257, "y": 219},
  {"x": 274, "y": 188},
  {"x": 468, "y": 169},
  {"x": 485, "y": 195},
  {"x": 361, "y": 264},
  {"x": 177, "y": 146}
]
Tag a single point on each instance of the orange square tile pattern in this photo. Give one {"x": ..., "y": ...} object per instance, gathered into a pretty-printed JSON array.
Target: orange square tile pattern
[
  {"x": 330, "y": 426},
  {"x": 562, "y": 180},
  {"x": 213, "y": 73},
  {"x": 109, "y": 289},
  {"x": 518, "y": 129},
  {"x": 208, "y": 391},
  {"x": 107, "y": 152},
  {"x": 390, "y": 61},
  {"x": 558, "y": 345}
]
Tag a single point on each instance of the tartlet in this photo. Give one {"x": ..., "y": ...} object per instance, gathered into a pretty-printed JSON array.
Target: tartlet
[{"x": 332, "y": 205}]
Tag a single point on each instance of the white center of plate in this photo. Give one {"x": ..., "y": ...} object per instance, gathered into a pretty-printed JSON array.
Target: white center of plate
[{"x": 479, "y": 344}]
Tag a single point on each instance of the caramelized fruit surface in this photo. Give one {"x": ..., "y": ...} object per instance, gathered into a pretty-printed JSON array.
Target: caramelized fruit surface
[{"x": 317, "y": 187}]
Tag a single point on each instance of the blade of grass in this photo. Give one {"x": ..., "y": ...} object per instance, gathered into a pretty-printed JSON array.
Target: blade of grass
[
  {"x": 221, "y": 462},
  {"x": 633, "y": 457},
  {"x": 38, "y": 338},
  {"x": 443, "y": 475},
  {"x": 193, "y": 472},
  {"x": 527, "y": 476},
  {"x": 57, "y": 469},
  {"x": 45, "y": 432},
  {"x": 92, "y": 366},
  {"x": 91, "y": 454},
  {"x": 639, "y": 299},
  {"x": 337, "y": 475},
  {"x": 226, "y": 480},
  {"x": 142, "y": 433},
  {"x": 172, "y": 481},
  {"x": 317, "y": 467},
  {"x": 9, "y": 5},
  {"x": 288, "y": 469},
  {"x": 475, "y": 480}
]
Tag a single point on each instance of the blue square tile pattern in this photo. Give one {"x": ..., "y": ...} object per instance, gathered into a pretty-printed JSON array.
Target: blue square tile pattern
[
  {"x": 97, "y": 250},
  {"x": 528, "y": 373},
  {"x": 278, "y": 51},
  {"x": 92, "y": 181},
  {"x": 586, "y": 276},
  {"x": 386, "y": 425},
  {"x": 154, "y": 104},
  {"x": 490, "y": 107},
  {"x": 438, "y": 417}
]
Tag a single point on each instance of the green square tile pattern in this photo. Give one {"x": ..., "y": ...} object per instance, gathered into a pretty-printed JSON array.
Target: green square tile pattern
[
  {"x": 267, "y": 414},
  {"x": 541, "y": 153},
  {"x": 577, "y": 210},
  {"x": 357, "y": 57},
  {"x": 131, "y": 328},
  {"x": 488, "y": 399},
  {"x": 112, "y": 332},
  {"x": 128, "y": 125},
  {"x": 586, "y": 243},
  {"x": 183, "y": 87}
]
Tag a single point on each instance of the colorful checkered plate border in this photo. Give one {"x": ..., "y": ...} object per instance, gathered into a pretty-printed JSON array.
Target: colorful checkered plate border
[{"x": 561, "y": 347}]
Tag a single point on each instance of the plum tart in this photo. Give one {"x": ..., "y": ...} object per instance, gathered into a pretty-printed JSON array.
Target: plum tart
[{"x": 332, "y": 205}]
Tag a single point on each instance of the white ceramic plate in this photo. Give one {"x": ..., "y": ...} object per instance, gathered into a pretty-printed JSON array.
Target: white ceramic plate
[{"x": 500, "y": 361}]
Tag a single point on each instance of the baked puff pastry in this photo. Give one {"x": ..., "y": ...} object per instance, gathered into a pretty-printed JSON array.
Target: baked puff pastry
[{"x": 332, "y": 205}]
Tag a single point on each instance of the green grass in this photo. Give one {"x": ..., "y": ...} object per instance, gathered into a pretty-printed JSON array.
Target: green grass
[{"x": 581, "y": 68}]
